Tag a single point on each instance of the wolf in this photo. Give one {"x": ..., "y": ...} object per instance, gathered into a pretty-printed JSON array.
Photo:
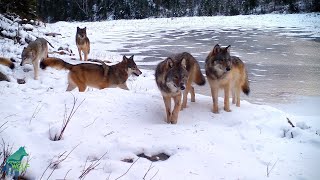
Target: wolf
[
  {"x": 226, "y": 72},
  {"x": 95, "y": 75},
  {"x": 83, "y": 42},
  {"x": 174, "y": 75},
  {"x": 5, "y": 62},
  {"x": 34, "y": 53}
]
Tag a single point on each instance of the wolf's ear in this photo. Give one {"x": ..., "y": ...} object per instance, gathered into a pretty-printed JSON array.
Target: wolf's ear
[
  {"x": 169, "y": 62},
  {"x": 216, "y": 49},
  {"x": 184, "y": 63},
  {"x": 228, "y": 48},
  {"x": 78, "y": 28},
  {"x": 85, "y": 28},
  {"x": 131, "y": 57},
  {"x": 124, "y": 58}
]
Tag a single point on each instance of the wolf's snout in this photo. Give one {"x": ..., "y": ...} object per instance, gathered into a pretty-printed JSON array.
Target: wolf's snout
[
  {"x": 228, "y": 68},
  {"x": 182, "y": 87}
]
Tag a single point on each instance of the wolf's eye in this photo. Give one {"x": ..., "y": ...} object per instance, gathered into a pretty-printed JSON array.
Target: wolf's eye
[{"x": 176, "y": 77}]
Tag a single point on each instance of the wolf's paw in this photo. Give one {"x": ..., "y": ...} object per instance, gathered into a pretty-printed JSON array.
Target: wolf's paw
[
  {"x": 216, "y": 111},
  {"x": 227, "y": 109}
]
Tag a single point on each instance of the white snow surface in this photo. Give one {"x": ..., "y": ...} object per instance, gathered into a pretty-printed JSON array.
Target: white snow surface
[{"x": 251, "y": 142}]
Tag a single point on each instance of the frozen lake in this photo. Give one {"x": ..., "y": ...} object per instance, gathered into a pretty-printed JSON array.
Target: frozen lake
[
  {"x": 280, "y": 67},
  {"x": 281, "y": 52}
]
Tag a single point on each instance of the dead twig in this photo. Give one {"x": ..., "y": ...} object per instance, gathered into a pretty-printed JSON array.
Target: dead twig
[
  {"x": 108, "y": 134},
  {"x": 91, "y": 123},
  {"x": 35, "y": 112},
  {"x": 92, "y": 166},
  {"x": 2, "y": 126},
  {"x": 4, "y": 154},
  {"x": 154, "y": 175},
  {"x": 128, "y": 169},
  {"x": 290, "y": 123},
  {"x": 66, "y": 174},
  {"x": 150, "y": 167},
  {"x": 55, "y": 164},
  {"x": 269, "y": 170},
  {"x": 67, "y": 118}
]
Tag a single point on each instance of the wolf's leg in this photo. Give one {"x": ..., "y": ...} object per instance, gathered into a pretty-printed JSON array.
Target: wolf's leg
[
  {"x": 123, "y": 86},
  {"x": 226, "y": 98},
  {"x": 193, "y": 95},
  {"x": 82, "y": 87},
  {"x": 85, "y": 55},
  {"x": 238, "y": 96},
  {"x": 233, "y": 91},
  {"x": 71, "y": 87},
  {"x": 71, "y": 84},
  {"x": 167, "y": 104},
  {"x": 185, "y": 93},
  {"x": 214, "y": 94},
  {"x": 176, "y": 109},
  {"x": 36, "y": 68},
  {"x": 79, "y": 49}
]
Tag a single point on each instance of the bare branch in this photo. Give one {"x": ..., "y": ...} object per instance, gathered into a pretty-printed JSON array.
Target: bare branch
[
  {"x": 290, "y": 123},
  {"x": 92, "y": 166},
  {"x": 66, "y": 174},
  {"x": 35, "y": 112},
  {"x": 128, "y": 169},
  {"x": 82, "y": 9},
  {"x": 91, "y": 123},
  {"x": 68, "y": 118},
  {"x": 269, "y": 171},
  {"x": 150, "y": 167},
  {"x": 2, "y": 126},
  {"x": 55, "y": 164},
  {"x": 154, "y": 175}
]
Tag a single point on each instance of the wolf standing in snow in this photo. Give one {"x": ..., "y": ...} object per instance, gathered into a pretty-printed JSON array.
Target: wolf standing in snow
[
  {"x": 5, "y": 62},
  {"x": 34, "y": 53},
  {"x": 174, "y": 75},
  {"x": 228, "y": 73},
  {"x": 95, "y": 75},
  {"x": 83, "y": 42}
]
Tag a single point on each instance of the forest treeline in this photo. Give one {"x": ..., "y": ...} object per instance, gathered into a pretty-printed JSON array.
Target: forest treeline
[{"x": 94, "y": 10}]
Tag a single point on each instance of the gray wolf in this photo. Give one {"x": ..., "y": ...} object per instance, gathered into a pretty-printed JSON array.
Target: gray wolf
[
  {"x": 174, "y": 75},
  {"x": 228, "y": 73},
  {"x": 34, "y": 53},
  {"x": 83, "y": 42},
  {"x": 95, "y": 75},
  {"x": 5, "y": 62}
]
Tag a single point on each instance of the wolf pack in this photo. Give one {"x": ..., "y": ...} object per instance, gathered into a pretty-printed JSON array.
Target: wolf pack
[{"x": 174, "y": 76}]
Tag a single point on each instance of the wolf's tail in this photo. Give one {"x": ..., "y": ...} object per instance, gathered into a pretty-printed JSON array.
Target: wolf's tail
[
  {"x": 55, "y": 63},
  {"x": 245, "y": 86},
  {"x": 199, "y": 78},
  {"x": 6, "y": 62}
]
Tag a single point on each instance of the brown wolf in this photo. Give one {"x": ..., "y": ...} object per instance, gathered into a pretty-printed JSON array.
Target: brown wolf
[
  {"x": 6, "y": 62},
  {"x": 34, "y": 53},
  {"x": 226, "y": 72},
  {"x": 174, "y": 75},
  {"x": 83, "y": 42},
  {"x": 95, "y": 75}
]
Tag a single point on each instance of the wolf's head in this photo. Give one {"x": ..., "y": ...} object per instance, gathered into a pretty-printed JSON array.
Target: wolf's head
[
  {"x": 132, "y": 67},
  {"x": 82, "y": 33},
  {"x": 27, "y": 56},
  {"x": 219, "y": 60},
  {"x": 22, "y": 152},
  {"x": 177, "y": 75}
]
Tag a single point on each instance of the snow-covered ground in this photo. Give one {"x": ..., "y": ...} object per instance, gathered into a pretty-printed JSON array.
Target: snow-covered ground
[{"x": 251, "y": 142}]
